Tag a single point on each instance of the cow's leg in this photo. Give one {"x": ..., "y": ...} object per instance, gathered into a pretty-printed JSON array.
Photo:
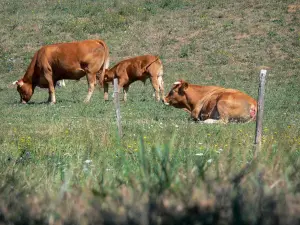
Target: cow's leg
[
  {"x": 105, "y": 91},
  {"x": 51, "y": 86},
  {"x": 125, "y": 90},
  {"x": 123, "y": 83},
  {"x": 210, "y": 121},
  {"x": 195, "y": 114},
  {"x": 91, "y": 79},
  {"x": 223, "y": 109},
  {"x": 155, "y": 85},
  {"x": 52, "y": 98},
  {"x": 161, "y": 86},
  {"x": 61, "y": 83}
]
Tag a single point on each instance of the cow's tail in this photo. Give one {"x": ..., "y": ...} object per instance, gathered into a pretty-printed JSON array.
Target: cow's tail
[
  {"x": 160, "y": 72},
  {"x": 253, "y": 111},
  {"x": 105, "y": 64},
  {"x": 149, "y": 64},
  {"x": 160, "y": 80}
]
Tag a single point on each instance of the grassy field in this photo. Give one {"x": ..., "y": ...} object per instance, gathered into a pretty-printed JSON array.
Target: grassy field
[{"x": 64, "y": 163}]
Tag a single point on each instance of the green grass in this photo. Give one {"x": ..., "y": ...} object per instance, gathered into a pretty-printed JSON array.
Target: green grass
[{"x": 166, "y": 168}]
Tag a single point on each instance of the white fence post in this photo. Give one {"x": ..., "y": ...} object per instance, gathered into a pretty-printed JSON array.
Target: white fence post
[
  {"x": 117, "y": 105},
  {"x": 260, "y": 109}
]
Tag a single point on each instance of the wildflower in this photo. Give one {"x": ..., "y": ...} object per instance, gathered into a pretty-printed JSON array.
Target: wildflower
[
  {"x": 199, "y": 154},
  {"x": 88, "y": 161},
  {"x": 209, "y": 161},
  {"x": 200, "y": 143}
]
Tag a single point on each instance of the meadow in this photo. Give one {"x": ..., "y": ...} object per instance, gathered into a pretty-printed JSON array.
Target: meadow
[{"x": 65, "y": 164}]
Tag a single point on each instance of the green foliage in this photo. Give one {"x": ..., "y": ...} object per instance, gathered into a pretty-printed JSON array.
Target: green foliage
[{"x": 52, "y": 156}]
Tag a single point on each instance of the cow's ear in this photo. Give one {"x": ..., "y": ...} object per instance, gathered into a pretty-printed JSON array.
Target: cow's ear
[
  {"x": 20, "y": 83},
  {"x": 182, "y": 88},
  {"x": 185, "y": 85}
]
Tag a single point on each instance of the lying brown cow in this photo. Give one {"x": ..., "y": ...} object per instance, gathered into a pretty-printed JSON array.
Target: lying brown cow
[
  {"x": 70, "y": 61},
  {"x": 212, "y": 103},
  {"x": 133, "y": 69}
]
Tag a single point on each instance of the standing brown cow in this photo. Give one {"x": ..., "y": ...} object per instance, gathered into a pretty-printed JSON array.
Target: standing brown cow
[
  {"x": 72, "y": 61},
  {"x": 212, "y": 103},
  {"x": 133, "y": 69}
]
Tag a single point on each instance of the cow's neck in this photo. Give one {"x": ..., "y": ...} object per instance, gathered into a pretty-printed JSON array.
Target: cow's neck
[
  {"x": 27, "y": 78},
  {"x": 195, "y": 94}
]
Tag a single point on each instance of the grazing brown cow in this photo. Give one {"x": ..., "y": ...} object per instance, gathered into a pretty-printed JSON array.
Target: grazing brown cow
[
  {"x": 133, "y": 69},
  {"x": 55, "y": 62},
  {"x": 212, "y": 103}
]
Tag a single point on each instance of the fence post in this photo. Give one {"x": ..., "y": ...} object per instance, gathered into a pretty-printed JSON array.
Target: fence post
[
  {"x": 260, "y": 109},
  {"x": 117, "y": 106}
]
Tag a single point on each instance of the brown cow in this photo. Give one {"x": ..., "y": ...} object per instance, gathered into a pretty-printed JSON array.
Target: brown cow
[
  {"x": 72, "y": 61},
  {"x": 212, "y": 103},
  {"x": 133, "y": 69}
]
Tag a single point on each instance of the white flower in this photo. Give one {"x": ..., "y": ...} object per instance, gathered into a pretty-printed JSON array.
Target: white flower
[
  {"x": 88, "y": 161},
  {"x": 209, "y": 161},
  {"x": 199, "y": 154},
  {"x": 200, "y": 143}
]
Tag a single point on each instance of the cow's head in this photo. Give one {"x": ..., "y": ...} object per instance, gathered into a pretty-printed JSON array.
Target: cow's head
[
  {"x": 176, "y": 97},
  {"x": 24, "y": 89},
  {"x": 107, "y": 77}
]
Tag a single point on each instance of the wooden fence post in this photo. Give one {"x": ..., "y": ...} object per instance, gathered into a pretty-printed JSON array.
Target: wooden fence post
[
  {"x": 117, "y": 105},
  {"x": 260, "y": 110}
]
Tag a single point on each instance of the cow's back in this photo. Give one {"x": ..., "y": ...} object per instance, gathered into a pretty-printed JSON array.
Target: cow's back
[{"x": 71, "y": 60}]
